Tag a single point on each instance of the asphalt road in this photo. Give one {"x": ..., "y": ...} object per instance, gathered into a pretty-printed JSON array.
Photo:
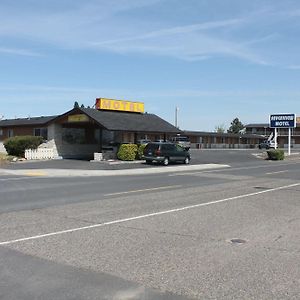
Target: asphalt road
[{"x": 227, "y": 233}]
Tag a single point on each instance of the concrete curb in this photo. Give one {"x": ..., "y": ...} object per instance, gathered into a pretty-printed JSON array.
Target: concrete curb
[{"x": 94, "y": 173}]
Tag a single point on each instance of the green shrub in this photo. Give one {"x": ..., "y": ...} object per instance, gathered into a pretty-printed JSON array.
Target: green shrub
[
  {"x": 127, "y": 152},
  {"x": 275, "y": 154},
  {"x": 140, "y": 151},
  {"x": 18, "y": 144}
]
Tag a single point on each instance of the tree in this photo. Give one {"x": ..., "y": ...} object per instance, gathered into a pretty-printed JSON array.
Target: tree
[
  {"x": 220, "y": 128},
  {"x": 76, "y": 104},
  {"x": 236, "y": 126}
]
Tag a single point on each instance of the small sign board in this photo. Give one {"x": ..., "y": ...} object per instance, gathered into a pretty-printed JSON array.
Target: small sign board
[
  {"x": 283, "y": 121},
  {"x": 78, "y": 118}
]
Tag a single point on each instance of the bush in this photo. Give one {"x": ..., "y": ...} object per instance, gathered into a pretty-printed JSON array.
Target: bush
[
  {"x": 127, "y": 152},
  {"x": 140, "y": 151},
  {"x": 275, "y": 154},
  {"x": 18, "y": 144}
]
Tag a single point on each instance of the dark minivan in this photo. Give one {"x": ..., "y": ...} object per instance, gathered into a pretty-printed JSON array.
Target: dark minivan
[{"x": 165, "y": 152}]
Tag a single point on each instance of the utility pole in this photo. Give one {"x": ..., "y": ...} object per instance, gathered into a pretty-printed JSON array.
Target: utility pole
[{"x": 176, "y": 117}]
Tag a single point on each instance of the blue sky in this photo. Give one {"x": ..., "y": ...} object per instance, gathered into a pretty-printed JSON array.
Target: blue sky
[{"x": 214, "y": 59}]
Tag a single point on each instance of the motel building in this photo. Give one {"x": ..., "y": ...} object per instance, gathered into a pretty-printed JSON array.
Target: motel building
[
  {"x": 81, "y": 132},
  {"x": 263, "y": 129},
  {"x": 96, "y": 133}
]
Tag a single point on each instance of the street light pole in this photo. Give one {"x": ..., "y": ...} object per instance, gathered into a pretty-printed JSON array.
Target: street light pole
[{"x": 176, "y": 116}]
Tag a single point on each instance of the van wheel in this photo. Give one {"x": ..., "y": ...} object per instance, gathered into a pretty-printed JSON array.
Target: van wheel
[
  {"x": 166, "y": 161},
  {"x": 187, "y": 160}
]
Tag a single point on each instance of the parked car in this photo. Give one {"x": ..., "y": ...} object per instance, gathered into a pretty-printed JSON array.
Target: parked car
[
  {"x": 266, "y": 145},
  {"x": 182, "y": 141},
  {"x": 166, "y": 152}
]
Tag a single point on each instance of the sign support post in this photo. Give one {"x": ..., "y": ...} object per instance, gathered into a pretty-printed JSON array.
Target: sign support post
[
  {"x": 275, "y": 137},
  {"x": 289, "y": 151}
]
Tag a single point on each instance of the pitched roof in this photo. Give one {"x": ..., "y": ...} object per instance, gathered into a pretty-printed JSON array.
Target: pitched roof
[
  {"x": 124, "y": 121},
  {"x": 27, "y": 121}
]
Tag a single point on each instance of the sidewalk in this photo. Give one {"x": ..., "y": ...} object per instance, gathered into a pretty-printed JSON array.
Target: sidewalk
[
  {"x": 72, "y": 164},
  {"x": 158, "y": 169}
]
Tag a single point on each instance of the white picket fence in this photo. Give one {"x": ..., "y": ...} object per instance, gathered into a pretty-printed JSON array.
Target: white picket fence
[
  {"x": 2, "y": 148},
  {"x": 40, "y": 153}
]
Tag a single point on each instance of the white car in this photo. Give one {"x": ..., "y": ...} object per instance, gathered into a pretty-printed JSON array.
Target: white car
[{"x": 267, "y": 145}]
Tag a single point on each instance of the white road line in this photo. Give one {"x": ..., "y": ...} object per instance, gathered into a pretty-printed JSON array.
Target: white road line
[
  {"x": 15, "y": 178},
  {"x": 278, "y": 172},
  {"x": 145, "y": 190},
  {"x": 36, "y": 237},
  {"x": 191, "y": 173}
]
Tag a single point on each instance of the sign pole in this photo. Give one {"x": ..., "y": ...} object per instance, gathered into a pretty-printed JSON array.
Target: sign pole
[
  {"x": 275, "y": 137},
  {"x": 289, "y": 151}
]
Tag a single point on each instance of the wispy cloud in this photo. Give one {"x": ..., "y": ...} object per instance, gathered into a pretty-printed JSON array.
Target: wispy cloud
[
  {"x": 16, "y": 51},
  {"x": 173, "y": 31},
  {"x": 118, "y": 26},
  {"x": 92, "y": 92},
  {"x": 190, "y": 42},
  {"x": 295, "y": 67}
]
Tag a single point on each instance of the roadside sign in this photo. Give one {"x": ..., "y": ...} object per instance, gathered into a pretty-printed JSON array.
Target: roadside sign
[{"x": 283, "y": 121}]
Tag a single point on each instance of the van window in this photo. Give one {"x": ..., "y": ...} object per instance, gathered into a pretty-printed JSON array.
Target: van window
[{"x": 168, "y": 147}]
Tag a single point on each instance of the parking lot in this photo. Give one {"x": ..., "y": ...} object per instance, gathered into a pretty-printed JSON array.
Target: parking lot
[
  {"x": 224, "y": 233},
  {"x": 197, "y": 157}
]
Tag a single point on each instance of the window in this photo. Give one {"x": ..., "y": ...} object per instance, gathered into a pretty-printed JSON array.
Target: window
[
  {"x": 43, "y": 132},
  {"x": 1, "y": 131},
  {"x": 10, "y": 133},
  {"x": 179, "y": 148},
  {"x": 254, "y": 130},
  {"x": 180, "y": 139},
  {"x": 168, "y": 147}
]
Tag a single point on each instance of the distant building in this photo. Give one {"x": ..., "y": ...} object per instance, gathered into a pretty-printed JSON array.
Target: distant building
[
  {"x": 282, "y": 139},
  {"x": 214, "y": 140}
]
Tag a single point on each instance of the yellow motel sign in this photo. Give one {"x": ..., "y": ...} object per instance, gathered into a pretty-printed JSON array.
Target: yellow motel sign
[{"x": 120, "y": 105}]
